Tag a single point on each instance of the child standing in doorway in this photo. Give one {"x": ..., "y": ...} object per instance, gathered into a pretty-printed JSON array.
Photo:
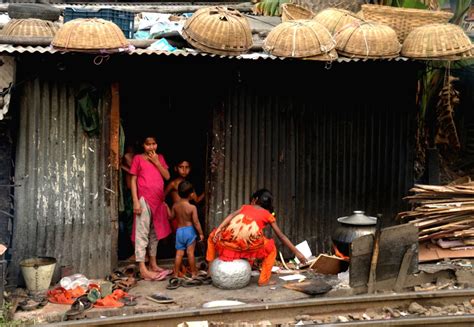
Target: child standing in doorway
[
  {"x": 183, "y": 169},
  {"x": 186, "y": 216},
  {"x": 148, "y": 172}
]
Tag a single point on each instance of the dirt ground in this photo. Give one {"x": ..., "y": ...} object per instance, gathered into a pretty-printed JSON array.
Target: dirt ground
[
  {"x": 185, "y": 298},
  {"x": 188, "y": 298}
]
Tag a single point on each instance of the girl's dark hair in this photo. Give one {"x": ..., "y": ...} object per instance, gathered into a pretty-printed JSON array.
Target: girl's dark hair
[
  {"x": 264, "y": 198},
  {"x": 147, "y": 136}
]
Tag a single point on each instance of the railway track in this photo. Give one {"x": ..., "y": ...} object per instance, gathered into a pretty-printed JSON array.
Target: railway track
[{"x": 285, "y": 312}]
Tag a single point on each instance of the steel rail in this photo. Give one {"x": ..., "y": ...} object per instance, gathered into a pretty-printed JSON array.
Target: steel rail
[
  {"x": 286, "y": 311},
  {"x": 458, "y": 321}
]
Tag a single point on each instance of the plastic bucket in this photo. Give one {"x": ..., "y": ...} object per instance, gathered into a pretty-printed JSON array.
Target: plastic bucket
[{"x": 38, "y": 273}]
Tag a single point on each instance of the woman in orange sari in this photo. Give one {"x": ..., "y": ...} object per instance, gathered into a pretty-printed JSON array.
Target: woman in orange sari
[{"x": 240, "y": 236}]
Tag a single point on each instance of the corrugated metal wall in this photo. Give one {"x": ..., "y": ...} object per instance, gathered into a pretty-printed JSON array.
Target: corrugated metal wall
[
  {"x": 63, "y": 201},
  {"x": 321, "y": 159}
]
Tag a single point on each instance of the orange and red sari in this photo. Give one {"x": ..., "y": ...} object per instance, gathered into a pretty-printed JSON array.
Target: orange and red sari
[{"x": 243, "y": 238}]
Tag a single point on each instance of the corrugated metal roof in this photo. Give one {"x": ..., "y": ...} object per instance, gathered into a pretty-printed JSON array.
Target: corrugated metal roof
[{"x": 17, "y": 49}]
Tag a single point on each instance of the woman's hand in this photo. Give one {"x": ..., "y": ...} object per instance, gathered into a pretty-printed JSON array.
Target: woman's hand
[
  {"x": 137, "y": 208},
  {"x": 217, "y": 235},
  {"x": 300, "y": 257}
]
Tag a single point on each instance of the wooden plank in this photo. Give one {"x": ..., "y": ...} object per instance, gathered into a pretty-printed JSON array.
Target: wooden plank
[
  {"x": 394, "y": 242},
  {"x": 115, "y": 127},
  {"x": 113, "y": 171},
  {"x": 403, "y": 272}
]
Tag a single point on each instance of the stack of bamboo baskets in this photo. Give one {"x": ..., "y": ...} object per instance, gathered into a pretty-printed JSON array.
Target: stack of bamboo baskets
[{"x": 376, "y": 32}]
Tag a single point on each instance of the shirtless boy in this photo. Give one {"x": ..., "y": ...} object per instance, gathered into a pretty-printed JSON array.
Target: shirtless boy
[
  {"x": 187, "y": 218},
  {"x": 183, "y": 169}
]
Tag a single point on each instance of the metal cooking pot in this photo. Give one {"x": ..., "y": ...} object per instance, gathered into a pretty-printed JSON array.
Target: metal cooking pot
[{"x": 352, "y": 227}]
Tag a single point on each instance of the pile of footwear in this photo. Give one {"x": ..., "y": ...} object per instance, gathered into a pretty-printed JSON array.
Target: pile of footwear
[
  {"x": 202, "y": 278},
  {"x": 124, "y": 278},
  {"x": 82, "y": 300}
]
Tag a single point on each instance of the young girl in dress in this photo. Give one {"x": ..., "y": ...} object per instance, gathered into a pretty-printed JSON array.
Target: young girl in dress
[
  {"x": 149, "y": 170},
  {"x": 241, "y": 236}
]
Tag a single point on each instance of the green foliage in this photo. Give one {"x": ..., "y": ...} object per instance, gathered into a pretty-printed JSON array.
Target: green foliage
[
  {"x": 431, "y": 81},
  {"x": 269, "y": 7},
  {"x": 461, "y": 9},
  {"x": 413, "y": 4},
  {"x": 4, "y": 321},
  {"x": 403, "y": 3}
]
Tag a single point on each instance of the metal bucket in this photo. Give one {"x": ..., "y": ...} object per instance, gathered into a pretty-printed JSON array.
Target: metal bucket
[{"x": 38, "y": 273}]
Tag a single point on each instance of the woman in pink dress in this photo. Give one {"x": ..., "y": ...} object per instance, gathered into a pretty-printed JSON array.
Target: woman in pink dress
[{"x": 150, "y": 224}]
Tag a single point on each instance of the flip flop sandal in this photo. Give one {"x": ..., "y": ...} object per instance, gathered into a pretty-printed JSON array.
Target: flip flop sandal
[
  {"x": 174, "y": 283},
  {"x": 79, "y": 306},
  {"x": 126, "y": 284},
  {"x": 191, "y": 282},
  {"x": 108, "y": 302},
  {"x": 30, "y": 305},
  {"x": 205, "y": 280},
  {"x": 60, "y": 295},
  {"x": 116, "y": 275},
  {"x": 163, "y": 274},
  {"x": 160, "y": 298},
  {"x": 128, "y": 301},
  {"x": 130, "y": 270}
]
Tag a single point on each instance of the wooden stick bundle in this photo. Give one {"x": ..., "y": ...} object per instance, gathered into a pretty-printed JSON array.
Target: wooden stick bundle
[{"x": 444, "y": 214}]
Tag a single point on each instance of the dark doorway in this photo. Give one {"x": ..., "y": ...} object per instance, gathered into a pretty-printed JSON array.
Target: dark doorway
[{"x": 180, "y": 122}]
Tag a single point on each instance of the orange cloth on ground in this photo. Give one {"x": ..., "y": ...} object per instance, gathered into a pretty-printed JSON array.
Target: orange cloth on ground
[
  {"x": 243, "y": 238},
  {"x": 60, "y": 295},
  {"x": 77, "y": 291},
  {"x": 111, "y": 300}
]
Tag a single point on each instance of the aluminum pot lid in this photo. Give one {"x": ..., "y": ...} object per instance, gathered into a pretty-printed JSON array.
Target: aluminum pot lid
[{"x": 358, "y": 217}]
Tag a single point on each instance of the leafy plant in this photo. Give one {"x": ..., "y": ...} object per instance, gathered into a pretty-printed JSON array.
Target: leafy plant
[
  {"x": 4, "y": 317},
  {"x": 269, "y": 7},
  {"x": 403, "y": 3},
  {"x": 460, "y": 9}
]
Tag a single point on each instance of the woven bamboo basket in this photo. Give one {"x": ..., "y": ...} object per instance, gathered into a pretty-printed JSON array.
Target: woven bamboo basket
[
  {"x": 30, "y": 27},
  {"x": 436, "y": 40},
  {"x": 367, "y": 40},
  {"x": 460, "y": 56},
  {"x": 328, "y": 56},
  {"x": 89, "y": 34},
  {"x": 334, "y": 18},
  {"x": 291, "y": 11},
  {"x": 298, "y": 39},
  {"x": 403, "y": 20},
  {"x": 218, "y": 30}
]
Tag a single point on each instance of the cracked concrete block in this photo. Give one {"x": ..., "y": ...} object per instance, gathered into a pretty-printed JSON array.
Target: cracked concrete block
[{"x": 465, "y": 278}]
